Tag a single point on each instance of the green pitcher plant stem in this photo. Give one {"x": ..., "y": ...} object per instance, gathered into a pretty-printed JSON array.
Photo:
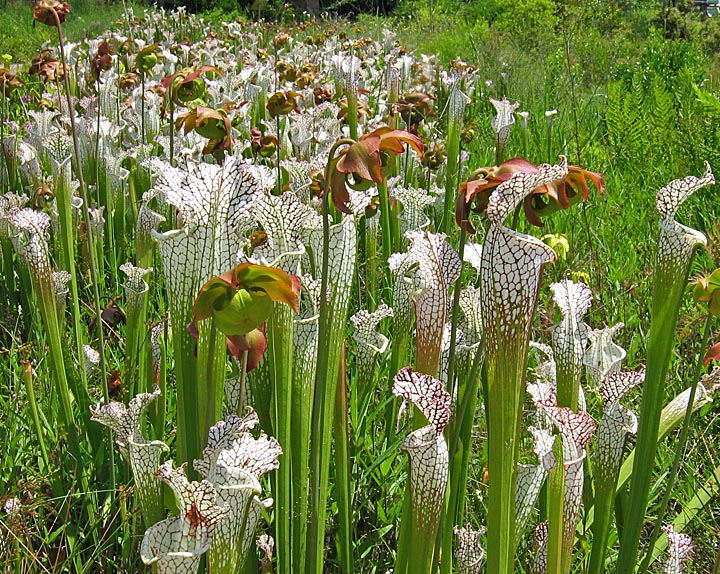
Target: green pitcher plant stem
[
  {"x": 285, "y": 220},
  {"x": 501, "y": 125},
  {"x": 137, "y": 340},
  {"x": 369, "y": 343},
  {"x": 280, "y": 357},
  {"x": 29, "y": 232},
  {"x": 531, "y": 478},
  {"x": 9, "y": 202},
  {"x": 676, "y": 248},
  {"x": 343, "y": 471},
  {"x": 460, "y": 427},
  {"x": 86, "y": 218},
  {"x": 351, "y": 93},
  {"x": 304, "y": 368},
  {"x": 27, "y": 374},
  {"x": 679, "y": 447},
  {"x": 569, "y": 341},
  {"x": 511, "y": 268},
  {"x": 460, "y": 449},
  {"x": 60, "y": 156},
  {"x": 335, "y": 254},
  {"x": 386, "y": 220},
  {"x": 399, "y": 264}
]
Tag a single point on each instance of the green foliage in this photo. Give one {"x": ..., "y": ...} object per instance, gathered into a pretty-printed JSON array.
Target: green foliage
[
  {"x": 21, "y": 39},
  {"x": 637, "y": 106},
  {"x": 526, "y": 18}
]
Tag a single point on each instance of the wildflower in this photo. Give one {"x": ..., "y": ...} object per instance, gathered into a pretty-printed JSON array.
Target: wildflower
[
  {"x": 146, "y": 58},
  {"x": 524, "y": 116},
  {"x": 187, "y": 85},
  {"x": 47, "y": 67},
  {"x": 240, "y": 301},
  {"x": 370, "y": 159},
  {"x": 282, "y": 103},
  {"x": 212, "y": 124},
  {"x": 542, "y": 201},
  {"x": 707, "y": 290},
  {"x": 50, "y": 12},
  {"x": 9, "y": 82},
  {"x": 102, "y": 60},
  {"x": 415, "y": 108}
]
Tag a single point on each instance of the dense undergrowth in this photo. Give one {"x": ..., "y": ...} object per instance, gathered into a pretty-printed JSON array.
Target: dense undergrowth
[{"x": 626, "y": 90}]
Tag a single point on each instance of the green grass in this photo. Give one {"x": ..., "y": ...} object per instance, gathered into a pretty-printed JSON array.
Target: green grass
[{"x": 88, "y": 18}]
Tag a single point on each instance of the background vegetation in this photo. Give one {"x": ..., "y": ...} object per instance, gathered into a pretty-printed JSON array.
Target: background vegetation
[{"x": 635, "y": 87}]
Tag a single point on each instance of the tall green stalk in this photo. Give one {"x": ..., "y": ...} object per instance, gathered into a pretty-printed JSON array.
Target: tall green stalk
[
  {"x": 679, "y": 447},
  {"x": 343, "y": 468},
  {"x": 676, "y": 249},
  {"x": 556, "y": 505},
  {"x": 27, "y": 374},
  {"x": 137, "y": 344},
  {"x": 386, "y": 220},
  {"x": 97, "y": 307},
  {"x": 339, "y": 247},
  {"x": 570, "y": 339},
  {"x": 460, "y": 448},
  {"x": 280, "y": 358},
  {"x": 30, "y": 240},
  {"x": 508, "y": 296},
  {"x": 63, "y": 197},
  {"x": 304, "y": 368}
]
